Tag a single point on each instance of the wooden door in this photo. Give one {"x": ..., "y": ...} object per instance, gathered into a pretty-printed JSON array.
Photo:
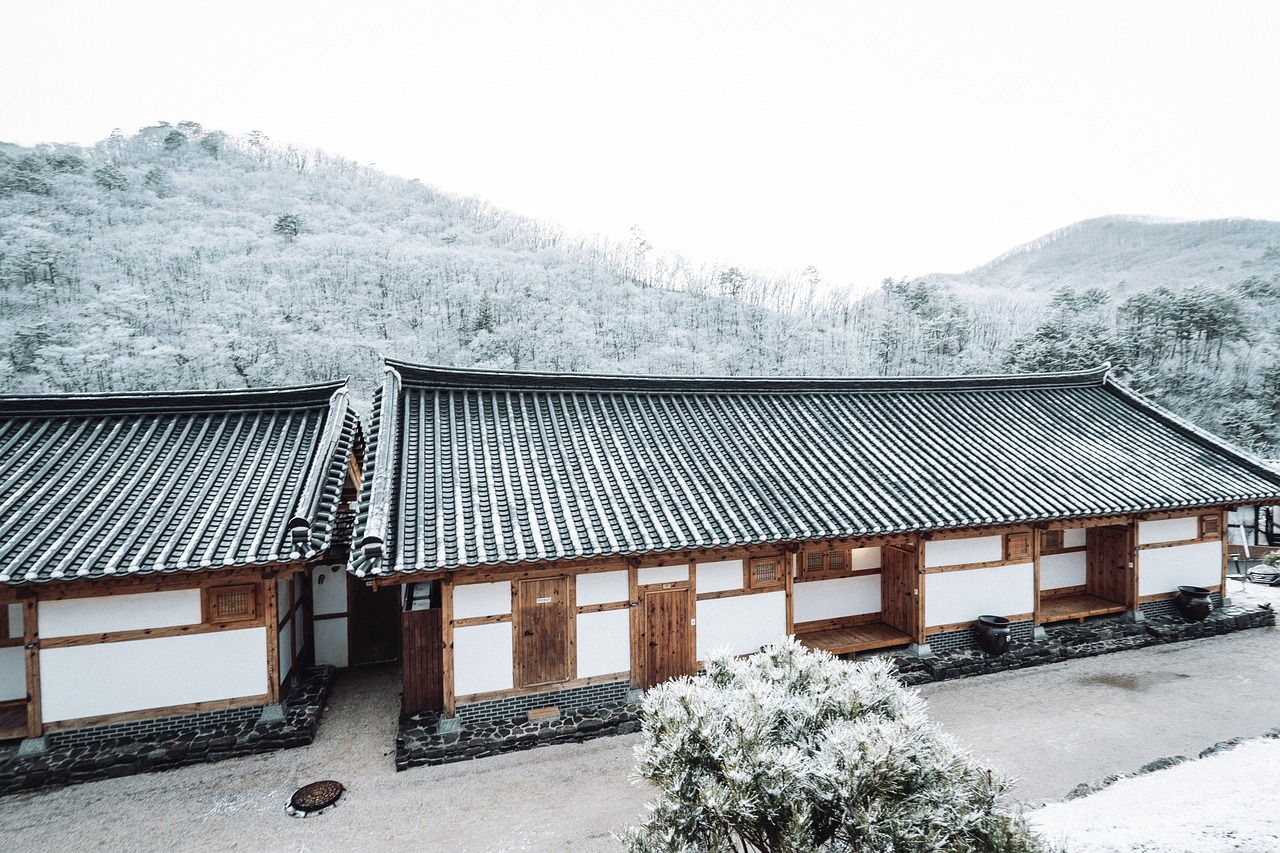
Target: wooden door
[
  {"x": 899, "y": 595},
  {"x": 373, "y": 623},
  {"x": 1109, "y": 573},
  {"x": 542, "y": 634},
  {"x": 423, "y": 660},
  {"x": 666, "y": 635}
]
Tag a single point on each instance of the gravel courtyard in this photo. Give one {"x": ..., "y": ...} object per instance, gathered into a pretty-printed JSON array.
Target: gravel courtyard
[{"x": 1052, "y": 727}]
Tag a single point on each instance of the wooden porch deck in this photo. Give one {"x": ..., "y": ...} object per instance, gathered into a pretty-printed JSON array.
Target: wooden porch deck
[
  {"x": 1078, "y": 606},
  {"x": 854, "y": 638}
]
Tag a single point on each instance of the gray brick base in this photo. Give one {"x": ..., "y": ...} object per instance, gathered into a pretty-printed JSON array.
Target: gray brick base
[
  {"x": 1166, "y": 607},
  {"x": 568, "y": 701},
  {"x": 967, "y": 640}
]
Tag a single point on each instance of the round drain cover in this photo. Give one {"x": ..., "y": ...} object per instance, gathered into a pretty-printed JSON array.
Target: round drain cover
[{"x": 314, "y": 798}]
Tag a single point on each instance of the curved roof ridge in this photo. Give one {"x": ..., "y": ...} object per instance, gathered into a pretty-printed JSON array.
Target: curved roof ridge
[
  {"x": 318, "y": 394},
  {"x": 438, "y": 376}
]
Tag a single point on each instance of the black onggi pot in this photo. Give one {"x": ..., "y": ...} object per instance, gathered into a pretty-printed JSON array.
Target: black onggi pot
[
  {"x": 1194, "y": 603},
  {"x": 993, "y": 634}
]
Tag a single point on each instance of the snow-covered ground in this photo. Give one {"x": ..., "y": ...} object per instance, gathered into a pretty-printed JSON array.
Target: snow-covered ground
[{"x": 1225, "y": 802}]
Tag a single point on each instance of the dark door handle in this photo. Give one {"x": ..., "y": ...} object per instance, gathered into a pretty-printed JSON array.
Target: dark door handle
[
  {"x": 528, "y": 633},
  {"x": 653, "y": 643}
]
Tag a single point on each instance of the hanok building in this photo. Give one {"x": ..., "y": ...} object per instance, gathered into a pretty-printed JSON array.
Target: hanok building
[
  {"x": 158, "y": 552},
  {"x": 562, "y": 538}
]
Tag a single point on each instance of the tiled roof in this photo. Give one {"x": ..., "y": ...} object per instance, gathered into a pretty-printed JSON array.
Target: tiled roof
[
  {"x": 469, "y": 468},
  {"x": 95, "y": 485}
]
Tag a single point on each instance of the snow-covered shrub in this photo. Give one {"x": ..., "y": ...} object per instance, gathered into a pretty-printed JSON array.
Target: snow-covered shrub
[{"x": 790, "y": 750}]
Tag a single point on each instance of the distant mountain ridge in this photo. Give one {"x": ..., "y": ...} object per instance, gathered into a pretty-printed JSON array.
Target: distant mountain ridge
[{"x": 1128, "y": 254}]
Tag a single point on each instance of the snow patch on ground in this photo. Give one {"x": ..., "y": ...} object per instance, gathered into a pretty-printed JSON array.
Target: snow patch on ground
[{"x": 1221, "y": 803}]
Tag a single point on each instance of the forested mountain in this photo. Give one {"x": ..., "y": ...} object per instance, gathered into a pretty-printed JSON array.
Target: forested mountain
[
  {"x": 179, "y": 257},
  {"x": 1127, "y": 255}
]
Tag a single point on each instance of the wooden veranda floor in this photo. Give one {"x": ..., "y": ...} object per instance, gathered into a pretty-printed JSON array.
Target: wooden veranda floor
[
  {"x": 1077, "y": 606},
  {"x": 855, "y": 638}
]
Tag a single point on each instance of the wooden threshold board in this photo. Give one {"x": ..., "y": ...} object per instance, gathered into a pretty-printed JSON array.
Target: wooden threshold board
[
  {"x": 855, "y": 638},
  {"x": 1078, "y": 606}
]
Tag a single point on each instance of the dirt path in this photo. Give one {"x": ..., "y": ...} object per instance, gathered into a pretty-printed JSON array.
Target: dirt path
[{"x": 1052, "y": 726}]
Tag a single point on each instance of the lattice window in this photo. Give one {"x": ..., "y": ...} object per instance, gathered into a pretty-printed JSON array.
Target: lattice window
[
  {"x": 1017, "y": 546},
  {"x": 1052, "y": 540},
  {"x": 1210, "y": 526},
  {"x": 231, "y": 603},
  {"x": 823, "y": 564},
  {"x": 764, "y": 572}
]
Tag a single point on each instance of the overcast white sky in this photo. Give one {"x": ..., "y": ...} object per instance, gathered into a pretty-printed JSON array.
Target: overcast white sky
[{"x": 868, "y": 139}]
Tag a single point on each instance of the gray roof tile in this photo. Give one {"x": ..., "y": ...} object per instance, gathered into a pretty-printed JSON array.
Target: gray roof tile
[
  {"x": 468, "y": 468},
  {"x": 94, "y": 485}
]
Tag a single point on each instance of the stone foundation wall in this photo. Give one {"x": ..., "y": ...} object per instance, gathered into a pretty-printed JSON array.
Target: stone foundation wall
[
  {"x": 1069, "y": 640},
  {"x": 481, "y": 730},
  {"x": 107, "y": 752},
  {"x": 420, "y": 740}
]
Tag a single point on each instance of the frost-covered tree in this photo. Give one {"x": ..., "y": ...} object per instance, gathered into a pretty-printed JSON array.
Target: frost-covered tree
[{"x": 790, "y": 750}]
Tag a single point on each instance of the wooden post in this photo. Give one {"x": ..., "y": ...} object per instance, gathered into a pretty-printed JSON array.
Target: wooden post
[
  {"x": 271, "y": 620},
  {"x": 919, "y": 579},
  {"x": 446, "y": 624},
  {"x": 1036, "y": 537},
  {"x": 792, "y": 564},
  {"x": 31, "y": 639}
]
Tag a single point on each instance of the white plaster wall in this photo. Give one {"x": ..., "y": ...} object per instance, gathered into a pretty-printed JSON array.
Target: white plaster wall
[
  {"x": 15, "y": 621},
  {"x": 719, "y": 576},
  {"x": 662, "y": 574},
  {"x": 837, "y": 597},
  {"x": 602, "y": 588},
  {"x": 13, "y": 673},
  {"x": 284, "y": 598},
  {"x": 331, "y": 641},
  {"x": 604, "y": 643},
  {"x": 1073, "y": 537},
  {"x": 102, "y": 614},
  {"x": 742, "y": 623},
  {"x": 481, "y": 599},
  {"x": 329, "y": 590},
  {"x": 482, "y": 658},
  {"x": 972, "y": 549},
  {"x": 1166, "y": 569},
  {"x": 964, "y": 595},
  {"x": 111, "y": 678},
  {"x": 1059, "y": 570},
  {"x": 1168, "y": 530},
  {"x": 864, "y": 558}
]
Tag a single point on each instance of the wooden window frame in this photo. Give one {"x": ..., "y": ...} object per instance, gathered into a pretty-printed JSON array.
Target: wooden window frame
[
  {"x": 825, "y": 571},
  {"x": 1213, "y": 520},
  {"x": 777, "y": 583},
  {"x": 1024, "y": 546},
  {"x": 213, "y": 594}
]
